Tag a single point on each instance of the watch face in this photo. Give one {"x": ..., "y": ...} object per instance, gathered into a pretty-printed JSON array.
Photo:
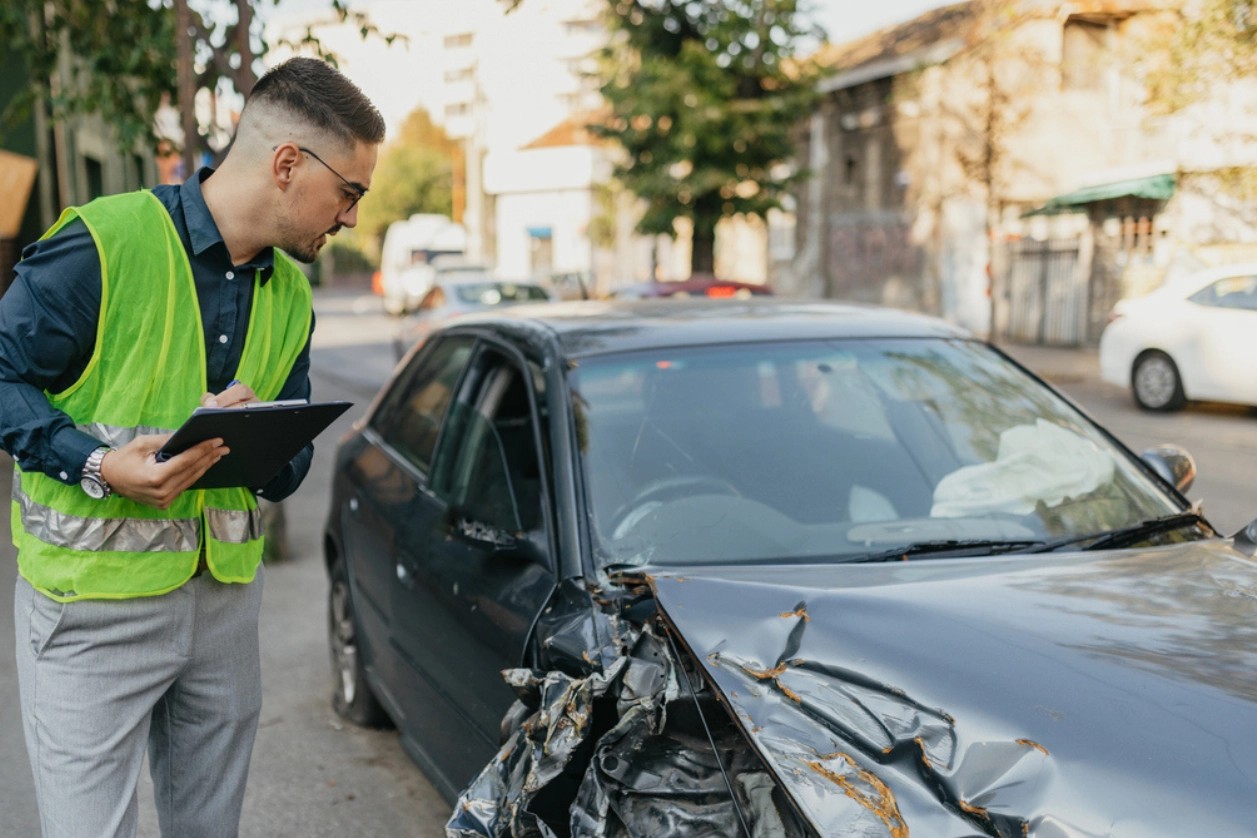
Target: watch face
[{"x": 92, "y": 488}]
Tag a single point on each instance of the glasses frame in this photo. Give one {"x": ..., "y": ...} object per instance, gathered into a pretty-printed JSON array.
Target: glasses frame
[{"x": 358, "y": 190}]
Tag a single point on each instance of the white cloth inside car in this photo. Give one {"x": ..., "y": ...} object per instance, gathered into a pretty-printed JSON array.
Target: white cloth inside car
[{"x": 1039, "y": 462}]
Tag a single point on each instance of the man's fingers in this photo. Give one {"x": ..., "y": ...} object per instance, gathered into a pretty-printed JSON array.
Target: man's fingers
[
  {"x": 198, "y": 458},
  {"x": 135, "y": 472},
  {"x": 235, "y": 395}
]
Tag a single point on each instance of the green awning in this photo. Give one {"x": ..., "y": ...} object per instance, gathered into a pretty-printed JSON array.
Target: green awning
[{"x": 1155, "y": 188}]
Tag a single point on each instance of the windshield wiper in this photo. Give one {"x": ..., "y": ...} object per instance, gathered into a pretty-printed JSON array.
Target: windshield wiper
[
  {"x": 969, "y": 547},
  {"x": 1126, "y": 536}
]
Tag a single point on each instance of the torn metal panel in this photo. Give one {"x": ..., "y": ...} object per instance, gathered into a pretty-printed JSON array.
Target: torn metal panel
[
  {"x": 1020, "y": 697},
  {"x": 645, "y": 763},
  {"x": 498, "y": 801}
]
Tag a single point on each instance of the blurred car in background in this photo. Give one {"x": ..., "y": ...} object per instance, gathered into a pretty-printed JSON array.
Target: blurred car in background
[
  {"x": 570, "y": 285},
  {"x": 1193, "y": 339},
  {"x": 457, "y": 291},
  {"x": 409, "y": 255},
  {"x": 699, "y": 285}
]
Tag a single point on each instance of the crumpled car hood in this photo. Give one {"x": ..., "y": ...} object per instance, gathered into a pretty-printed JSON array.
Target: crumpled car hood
[{"x": 1108, "y": 694}]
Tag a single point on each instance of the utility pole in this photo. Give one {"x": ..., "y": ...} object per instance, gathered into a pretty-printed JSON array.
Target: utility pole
[{"x": 186, "y": 78}]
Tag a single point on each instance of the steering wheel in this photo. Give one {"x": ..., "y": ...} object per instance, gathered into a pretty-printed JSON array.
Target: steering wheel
[{"x": 665, "y": 489}]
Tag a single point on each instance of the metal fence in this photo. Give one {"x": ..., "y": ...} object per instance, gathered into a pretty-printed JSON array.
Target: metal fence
[{"x": 1048, "y": 293}]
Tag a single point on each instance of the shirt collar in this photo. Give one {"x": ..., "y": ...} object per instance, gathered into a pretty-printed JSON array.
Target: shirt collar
[{"x": 203, "y": 231}]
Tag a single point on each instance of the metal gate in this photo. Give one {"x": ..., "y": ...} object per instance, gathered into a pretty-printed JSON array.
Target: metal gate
[{"x": 1047, "y": 293}]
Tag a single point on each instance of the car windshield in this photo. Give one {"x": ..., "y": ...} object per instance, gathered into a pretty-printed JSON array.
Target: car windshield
[
  {"x": 496, "y": 293},
  {"x": 839, "y": 450}
]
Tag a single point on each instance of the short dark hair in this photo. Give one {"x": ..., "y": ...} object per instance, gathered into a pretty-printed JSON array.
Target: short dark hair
[{"x": 316, "y": 91}]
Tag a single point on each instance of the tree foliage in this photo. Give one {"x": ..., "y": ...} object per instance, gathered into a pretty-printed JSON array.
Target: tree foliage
[
  {"x": 125, "y": 55},
  {"x": 415, "y": 173},
  {"x": 1214, "y": 43},
  {"x": 704, "y": 99},
  {"x": 122, "y": 55}
]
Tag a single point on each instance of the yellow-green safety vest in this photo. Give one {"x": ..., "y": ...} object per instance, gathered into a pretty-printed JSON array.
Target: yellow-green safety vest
[{"x": 146, "y": 375}]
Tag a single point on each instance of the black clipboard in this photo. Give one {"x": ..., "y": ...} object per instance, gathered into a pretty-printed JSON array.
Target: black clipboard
[{"x": 262, "y": 439}]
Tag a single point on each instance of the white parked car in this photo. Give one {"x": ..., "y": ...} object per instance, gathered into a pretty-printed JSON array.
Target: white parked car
[{"x": 1193, "y": 339}]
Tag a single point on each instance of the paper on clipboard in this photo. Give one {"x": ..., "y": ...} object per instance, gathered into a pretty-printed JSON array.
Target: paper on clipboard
[{"x": 262, "y": 438}]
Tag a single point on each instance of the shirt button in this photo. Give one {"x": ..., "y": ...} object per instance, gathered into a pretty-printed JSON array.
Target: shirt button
[
  {"x": 231, "y": 274},
  {"x": 222, "y": 338},
  {"x": 65, "y": 476}
]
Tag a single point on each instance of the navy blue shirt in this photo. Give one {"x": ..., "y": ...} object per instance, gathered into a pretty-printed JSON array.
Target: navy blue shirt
[{"x": 48, "y": 321}]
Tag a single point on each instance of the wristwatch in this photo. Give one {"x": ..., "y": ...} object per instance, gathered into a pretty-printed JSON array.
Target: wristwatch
[{"x": 93, "y": 482}]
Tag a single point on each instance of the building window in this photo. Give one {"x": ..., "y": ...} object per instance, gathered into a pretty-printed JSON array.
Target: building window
[
  {"x": 460, "y": 40},
  {"x": 460, "y": 74},
  {"x": 95, "y": 177},
  {"x": 1084, "y": 54}
]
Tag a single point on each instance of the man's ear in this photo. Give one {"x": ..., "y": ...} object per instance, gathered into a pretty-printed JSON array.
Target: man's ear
[{"x": 284, "y": 162}]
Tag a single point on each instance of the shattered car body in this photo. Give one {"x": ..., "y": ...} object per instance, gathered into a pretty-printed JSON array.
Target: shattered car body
[{"x": 782, "y": 569}]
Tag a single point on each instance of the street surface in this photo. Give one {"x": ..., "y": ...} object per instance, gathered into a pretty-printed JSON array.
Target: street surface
[{"x": 314, "y": 776}]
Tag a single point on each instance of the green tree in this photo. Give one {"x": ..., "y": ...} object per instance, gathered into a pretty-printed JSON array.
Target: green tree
[
  {"x": 123, "y": 55},
  {"x": 415, "y": 173},
  {"x": 1203, "y": 51},
  {"x": 1212, "y": 43},
  {"x": 125, "y": 58},
  {"x": 704, "y": 98}
]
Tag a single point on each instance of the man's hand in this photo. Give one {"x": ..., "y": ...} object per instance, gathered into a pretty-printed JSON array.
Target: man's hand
[
  {"x": 134, "y": 472},
  {"x": 237, "y": 394}
]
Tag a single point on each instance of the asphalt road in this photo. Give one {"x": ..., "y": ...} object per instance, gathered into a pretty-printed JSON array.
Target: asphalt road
[{"x": 314, "y": 776}]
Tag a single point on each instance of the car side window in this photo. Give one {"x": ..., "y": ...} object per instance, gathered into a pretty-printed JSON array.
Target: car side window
[
  {"x": 488, "y": 467},
  {"x": 1229, "y": 292},
  {"x": 410, "y": 417}
]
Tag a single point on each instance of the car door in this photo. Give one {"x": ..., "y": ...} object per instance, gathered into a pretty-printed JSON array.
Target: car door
[
  {"x": 1224, "y": 366},
  {"x": 476, "y": 569},
  {"x": 387, "y": 474}
]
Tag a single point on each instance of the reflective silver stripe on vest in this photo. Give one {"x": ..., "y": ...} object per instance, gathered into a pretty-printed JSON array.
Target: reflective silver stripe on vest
[
  {"x": 116, "y": 437},
  {"x": 234, "y": 526},
  {"x": 122, "y": 535},
  {"x": 133, "y": 535}
]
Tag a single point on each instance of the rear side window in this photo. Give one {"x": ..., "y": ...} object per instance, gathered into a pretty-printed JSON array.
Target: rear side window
[
  {"x": 410, "y": 417},
  {"x": 1229, "y": 292}
]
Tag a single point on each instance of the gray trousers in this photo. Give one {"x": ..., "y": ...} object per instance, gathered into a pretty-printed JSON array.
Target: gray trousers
[{"x": 101, "y": 680}]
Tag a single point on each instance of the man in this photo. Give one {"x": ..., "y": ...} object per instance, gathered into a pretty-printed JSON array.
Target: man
[{"x": 136, "y": 610}]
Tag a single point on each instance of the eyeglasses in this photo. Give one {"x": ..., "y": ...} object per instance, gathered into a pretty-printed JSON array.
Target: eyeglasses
[{"x": 357, "y": 190}]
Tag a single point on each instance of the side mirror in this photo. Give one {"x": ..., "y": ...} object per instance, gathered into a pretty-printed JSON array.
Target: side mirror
[{"x": 1173, "y": 464}]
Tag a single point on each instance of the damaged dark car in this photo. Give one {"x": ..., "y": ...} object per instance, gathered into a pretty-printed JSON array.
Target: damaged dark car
[{"x": 774, "y": 568}]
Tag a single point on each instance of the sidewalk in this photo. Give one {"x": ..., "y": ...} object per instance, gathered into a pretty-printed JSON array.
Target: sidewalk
[{"x": 1057, "y": 364}]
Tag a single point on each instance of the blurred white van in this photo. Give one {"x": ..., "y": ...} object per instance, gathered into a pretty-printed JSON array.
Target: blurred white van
[{"x": 407, "y": 254}]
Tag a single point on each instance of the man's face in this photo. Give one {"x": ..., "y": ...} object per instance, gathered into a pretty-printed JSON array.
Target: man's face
[{"x": 332, "y": 182}]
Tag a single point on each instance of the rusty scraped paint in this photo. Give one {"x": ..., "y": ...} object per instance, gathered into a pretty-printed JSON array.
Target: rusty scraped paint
[
  {"x": 801, "y": 611},
  {"x": 1030, "y": 743},
  {"x": 774, "y": 676},
  {"x": 765, "y": 674},
  {"x": 925, "y": 758},
  {"x": 979, "y": 811},
  {"x": 883, "y": 805}
]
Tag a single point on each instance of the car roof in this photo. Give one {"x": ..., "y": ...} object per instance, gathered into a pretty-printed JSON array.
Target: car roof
[{"x": 594, "y": 327}]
